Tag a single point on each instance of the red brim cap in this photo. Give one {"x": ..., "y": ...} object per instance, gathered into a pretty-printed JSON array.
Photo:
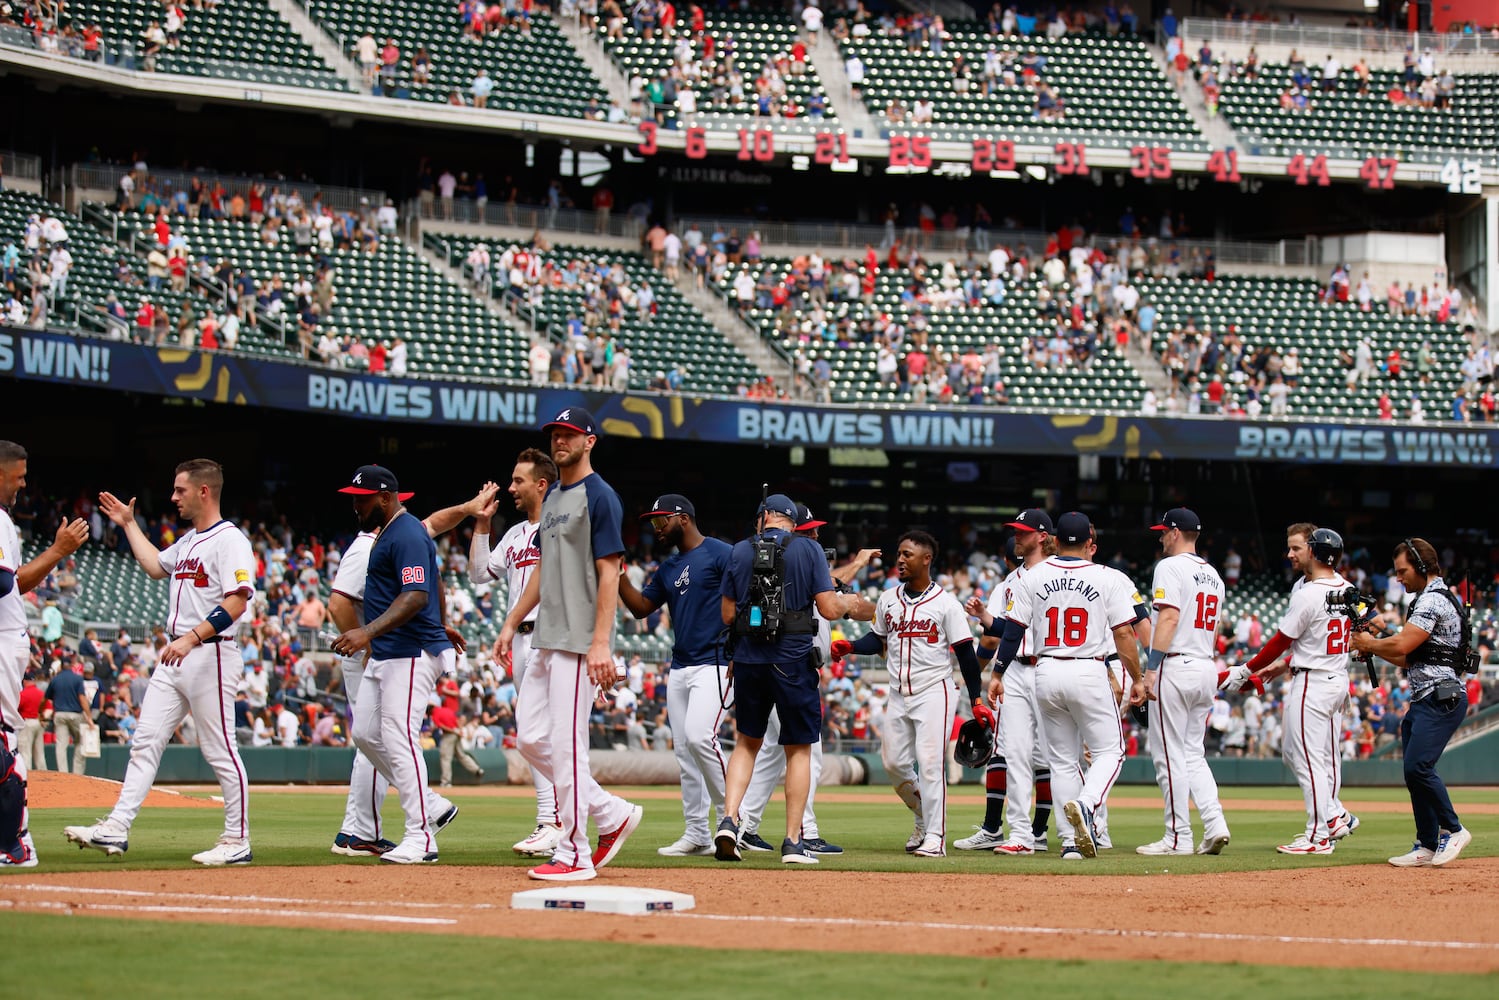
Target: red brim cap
[
  {"x": 1021, "y": 527},
  {"x": 659, "y": 513},
  {"x": 563, "y": 423},
  {"x": 810, "y": 525},
  {"x": 1160, "y": 527},
  {"x": 360, "y": 491}
]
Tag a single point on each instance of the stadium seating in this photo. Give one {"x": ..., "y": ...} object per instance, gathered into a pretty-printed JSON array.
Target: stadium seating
[
  {"x": 392, "y": 293},
  {"x": 1110, "y": 86},
  {"x": 241, "y": 39},
  {"x": 1370, "y": 122},
  {"x": 757, "y": 38},
  {"x": 1284, "y": 313},
  {"x": 536, "y": 73},
  {"x": 1110, "y": 384},
  {"x": 678, "y": 333}
]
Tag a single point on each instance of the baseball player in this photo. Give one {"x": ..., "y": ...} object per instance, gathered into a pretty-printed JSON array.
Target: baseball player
[
  {"x": 212, "y": 573},
  {"x": 1319, "y": 641},
  {"x": 1078, "y": 612},
  {"x": 921, "y": 627},
  {"x": 1180, "y": 677},
  {"x": 17, "y": 578},
  {"x": 576, "y": 587},
  {"x": 1019, "y": 766},
  {"x": 770, "y": 762},
  {"x": 409, "y": 648},
  {"x": 687, "y": 583},
  {"x": 517, "y": 558},
  {"x": 359, "y": 836}
]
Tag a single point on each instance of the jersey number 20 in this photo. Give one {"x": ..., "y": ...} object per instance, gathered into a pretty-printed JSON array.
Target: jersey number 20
[{"x": 1068, "y": 628}]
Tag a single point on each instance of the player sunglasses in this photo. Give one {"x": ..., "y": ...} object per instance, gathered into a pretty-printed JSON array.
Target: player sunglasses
[{"x": 660, "y": 521}]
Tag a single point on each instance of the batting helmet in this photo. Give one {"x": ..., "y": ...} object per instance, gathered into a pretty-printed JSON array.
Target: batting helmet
[
  {"x": 1326, "y": 546},
  {"x": 1140, "y": 715},
  {"x": 975, "y": 744}
]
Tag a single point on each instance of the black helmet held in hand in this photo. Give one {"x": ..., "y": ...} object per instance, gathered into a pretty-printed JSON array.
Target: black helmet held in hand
[{"x": 975, "y": 744}]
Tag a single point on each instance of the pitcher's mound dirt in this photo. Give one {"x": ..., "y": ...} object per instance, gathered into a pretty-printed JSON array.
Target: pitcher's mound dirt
[{"x": 55, "y": 790}]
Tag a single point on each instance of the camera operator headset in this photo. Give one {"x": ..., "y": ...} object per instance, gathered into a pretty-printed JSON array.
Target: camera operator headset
[
  {"x": 1433, "y": 648},
  {"x": 773, "y": 581}
]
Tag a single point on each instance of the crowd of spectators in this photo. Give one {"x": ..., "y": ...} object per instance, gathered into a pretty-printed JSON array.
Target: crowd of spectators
[
  {"x": 56, "y": 32},
  {"x": 35, "y": 265}
]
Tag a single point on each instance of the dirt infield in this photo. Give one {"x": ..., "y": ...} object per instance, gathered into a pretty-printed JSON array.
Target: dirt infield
[
  {"x": 56, "y": 790},
  {"x": 1375, "y": 916}
]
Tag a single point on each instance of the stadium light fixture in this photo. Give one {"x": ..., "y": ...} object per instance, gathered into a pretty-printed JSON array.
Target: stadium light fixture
[{"x": 1036, "y": 171}]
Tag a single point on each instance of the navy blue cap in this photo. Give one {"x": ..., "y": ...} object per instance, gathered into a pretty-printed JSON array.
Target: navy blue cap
[
  {"x": 371, "y": 479},
  {"x": 1032, "y": 519},
  {"x": 780, "y": 503},
  {"x": 806, "y": 520},
  {"x": 573, "y": 418},
  {"x": 1073, "y": 528},
  {"x": 1180, "y": 518},
  {"x": 671, "y": 503}
]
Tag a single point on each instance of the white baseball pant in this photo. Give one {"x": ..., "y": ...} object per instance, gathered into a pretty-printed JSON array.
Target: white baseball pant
[
  {"x": 1178, "y": 725},
  {"x": 914, "y": 750},
  {"x": 546, "y": 795},
  {"x": 553, "y": 707},
  {"x": 1077, "y": 706},
  {"x": 1101, "y": 813},
  {"x": 694, "y": 708},
  {"x": 1018, "y": 739},
  {"x": 15, "y": 654},
  {"x": 1309, "y": 745},
  {"x": 770, "y": 768},
  {"x": 203, "y": 684},
  {"x": 367, "y": 786},
  {"x": 393, "y": 700}
]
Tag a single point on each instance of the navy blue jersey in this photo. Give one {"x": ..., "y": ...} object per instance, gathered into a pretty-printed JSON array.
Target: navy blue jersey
[
  {"x": 807, "y": 576},
  {"x": 404, "y": 558},
  {"x": 688, "y": 583}
]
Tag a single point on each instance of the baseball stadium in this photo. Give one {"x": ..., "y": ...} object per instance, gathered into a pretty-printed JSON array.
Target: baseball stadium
[{"x": 1039, "y": 455}]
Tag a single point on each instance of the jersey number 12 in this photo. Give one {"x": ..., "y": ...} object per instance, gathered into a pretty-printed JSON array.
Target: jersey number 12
[{"x": 1207, "y": 611}]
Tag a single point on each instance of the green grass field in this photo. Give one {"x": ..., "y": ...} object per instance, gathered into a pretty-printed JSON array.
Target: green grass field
[{"x": 127, "y": 958}]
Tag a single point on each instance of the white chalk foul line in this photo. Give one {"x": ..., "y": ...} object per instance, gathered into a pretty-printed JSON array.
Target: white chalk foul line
[
  {"x": 229, "y": 898},
  {"x": 234, "y": 911},
  {"x": 861, "y": 922}
]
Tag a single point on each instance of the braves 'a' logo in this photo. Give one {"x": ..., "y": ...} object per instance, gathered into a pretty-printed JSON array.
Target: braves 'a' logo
[{"x": 684, "y": 580}]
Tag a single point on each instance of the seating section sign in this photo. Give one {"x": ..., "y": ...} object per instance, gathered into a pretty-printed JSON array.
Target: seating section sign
[{"x": 240, "y": 380}]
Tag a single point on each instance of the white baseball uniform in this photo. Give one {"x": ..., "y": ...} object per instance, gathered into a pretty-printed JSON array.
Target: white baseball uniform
[
  {"x": 204, "y": 567},
  {"x": 1314, "y": 703},
  {"x": 1335, "y": 803},
  {"x": 1071, "y": 607},
  {"x": 770, "y": 762},
  {"x": 1184, "y": 696},
  {"x": 367, "y": 786},
  {"x": 920, "y": 631},
  {"x": 517, "y": 558},
  {"x": 1017, "y": 739},
  {"x": 15, "y": 654}
]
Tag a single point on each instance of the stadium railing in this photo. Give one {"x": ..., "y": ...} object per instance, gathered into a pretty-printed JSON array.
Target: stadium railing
[
  {"x": 1317, "y": 37},
  {"x": 106, "y": 177},
  {"x": 20, "y": 165}
]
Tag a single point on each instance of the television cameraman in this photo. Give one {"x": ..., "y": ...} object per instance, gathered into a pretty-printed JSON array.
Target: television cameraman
[
  {"x": 774, "y": 580},
  {"x": 1430, "y": 649}
]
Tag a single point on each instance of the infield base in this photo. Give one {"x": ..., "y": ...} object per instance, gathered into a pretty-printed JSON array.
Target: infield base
[{"x": 621, "y": 899}]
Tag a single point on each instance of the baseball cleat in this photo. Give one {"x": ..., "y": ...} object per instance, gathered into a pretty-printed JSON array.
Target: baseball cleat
[
  {"x": 752, "y": 841},
  {"x": 796, "y": 854},
  {"x": 228, "y": 851},
  {"x": 931, "y": 847},
  {"x": 1213, "y": 845},
  {"x": 1014, "y": 849},
  {"x": 447, "y": 816},
  {"x": 610, "y": 844},
  {"x": 105, "y": 835},
  {"x": 541, "y": 843},
  {"x": 1416, "y": 857},
  {"x": 914, "y": 841},
  {"x": 408, "y": 854},
  {"x": 1342, "y": 826},
  {"x": 1301, "y": 845},
  {"x": 1081, "y": 818},
  {"x": 685, "y": 848},
  {"x": 726, "y": 840},
  {"x": 1103, "y": 842},
  {"x": 1042, "y": 846},
  {"x": 1450, "y": 846},
  {"x": 1071, "y": 853},
  {"x": 26, "y": 858},
  {"x": 982, "y": 840},
  {"x": 819, "y": 846},
  {"x": 1162, "y": 848},
  {"x": 552, "y": 871},
  {"x": 351, "y": 846}
]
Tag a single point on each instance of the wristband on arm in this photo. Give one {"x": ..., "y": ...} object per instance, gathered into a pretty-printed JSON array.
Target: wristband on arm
[
  {"x": 218, "y": 619},
  {"x": 1154, "y": 659},
  {"x": 984, "y": 654}
]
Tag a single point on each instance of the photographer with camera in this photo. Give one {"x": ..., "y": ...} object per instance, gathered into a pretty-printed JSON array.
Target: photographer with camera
[
  {"x": 774, "y": 580},
  {"x": 1433, "y": 648}
]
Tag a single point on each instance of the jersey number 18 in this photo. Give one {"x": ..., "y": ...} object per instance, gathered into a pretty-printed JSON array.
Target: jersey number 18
[{"x": 1069, "y": 627}]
